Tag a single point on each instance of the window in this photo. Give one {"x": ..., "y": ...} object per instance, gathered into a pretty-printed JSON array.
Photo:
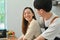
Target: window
[{"x": 2, "y": 15}]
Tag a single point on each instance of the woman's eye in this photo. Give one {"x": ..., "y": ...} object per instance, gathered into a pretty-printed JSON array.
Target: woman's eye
[{"x": 28, "y": 12}]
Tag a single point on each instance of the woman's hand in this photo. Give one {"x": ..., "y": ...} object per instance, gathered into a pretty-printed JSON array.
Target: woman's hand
[
  {"x": 21, "y": 38},
  {"x": 24, "y": 38}
]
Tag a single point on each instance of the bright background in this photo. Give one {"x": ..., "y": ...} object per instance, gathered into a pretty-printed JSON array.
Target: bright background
[{"x": 14, "y": 9}]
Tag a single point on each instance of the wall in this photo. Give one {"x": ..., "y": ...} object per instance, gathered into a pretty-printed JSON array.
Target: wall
[
  {"x": 56, "y": 10},
  {"x": 14, "y": 10}
]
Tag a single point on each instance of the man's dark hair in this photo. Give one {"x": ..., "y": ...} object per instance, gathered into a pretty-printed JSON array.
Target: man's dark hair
[{"x": 43, "y": 4}]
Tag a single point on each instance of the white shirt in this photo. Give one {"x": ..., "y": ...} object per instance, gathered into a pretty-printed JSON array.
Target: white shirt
[
  {"x": 33, "y": 30},
  {"x": 53, "y": 28}
]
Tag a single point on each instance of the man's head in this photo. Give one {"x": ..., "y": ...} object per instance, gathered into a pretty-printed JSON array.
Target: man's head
[{"x": 46, "y": 5}]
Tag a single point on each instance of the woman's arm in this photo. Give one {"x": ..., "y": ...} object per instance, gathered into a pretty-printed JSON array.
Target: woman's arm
[
  {"x": 33, "y": 31},
  {"x": 24, "y": 39},
  {"x": 29, "y": 34},
  {"x": 40, "y": 38}
]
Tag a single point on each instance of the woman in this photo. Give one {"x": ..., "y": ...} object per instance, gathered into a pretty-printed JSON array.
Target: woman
[{"x": 30, "y": 27}]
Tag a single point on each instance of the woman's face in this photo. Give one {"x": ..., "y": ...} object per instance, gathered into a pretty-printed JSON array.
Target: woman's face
[{"x": 28, "y": 15}]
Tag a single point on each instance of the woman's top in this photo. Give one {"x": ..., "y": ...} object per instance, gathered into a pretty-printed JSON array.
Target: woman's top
[{"x": 33, "y": 30}]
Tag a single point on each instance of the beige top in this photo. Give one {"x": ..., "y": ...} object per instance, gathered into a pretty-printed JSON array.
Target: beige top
[{"x": 33, "y": 30}]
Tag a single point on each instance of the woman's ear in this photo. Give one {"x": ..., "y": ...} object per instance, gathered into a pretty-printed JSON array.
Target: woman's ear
[{"x": 32, "y": 14}]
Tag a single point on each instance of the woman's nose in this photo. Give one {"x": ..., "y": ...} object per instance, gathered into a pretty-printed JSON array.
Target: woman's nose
[{"x": 26, "y": 14}]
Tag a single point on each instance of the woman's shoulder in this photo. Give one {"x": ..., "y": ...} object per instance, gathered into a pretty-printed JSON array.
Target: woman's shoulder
[{"x": 34, "y": 21}]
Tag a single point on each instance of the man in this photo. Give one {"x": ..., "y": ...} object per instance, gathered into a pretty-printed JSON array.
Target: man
[{"x": 51, "y": 20}]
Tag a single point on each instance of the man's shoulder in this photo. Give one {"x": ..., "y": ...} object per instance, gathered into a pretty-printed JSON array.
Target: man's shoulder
[{"x": 57, "y": 20}]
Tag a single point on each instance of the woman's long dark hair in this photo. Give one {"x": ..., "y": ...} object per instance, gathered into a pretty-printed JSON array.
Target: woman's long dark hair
[{"x": 25, "y": 22}]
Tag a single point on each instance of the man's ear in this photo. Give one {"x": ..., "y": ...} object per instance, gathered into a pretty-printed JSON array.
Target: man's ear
[{"x": 41, "y": 10}]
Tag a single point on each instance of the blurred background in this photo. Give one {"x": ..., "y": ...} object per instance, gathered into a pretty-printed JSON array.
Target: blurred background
[{"x": 11, "y": 13}]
